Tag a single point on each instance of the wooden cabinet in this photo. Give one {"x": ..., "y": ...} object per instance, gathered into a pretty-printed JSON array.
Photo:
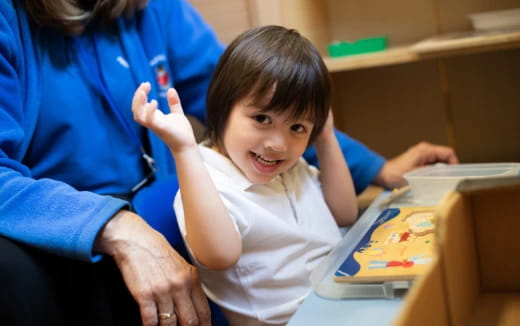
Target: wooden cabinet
[{"x": 466, "y": 96}]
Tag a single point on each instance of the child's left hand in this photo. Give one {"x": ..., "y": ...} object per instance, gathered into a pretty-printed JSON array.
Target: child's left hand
[
  {"x": 173, "y": 128},
  {"x": 328, "y": 129}
]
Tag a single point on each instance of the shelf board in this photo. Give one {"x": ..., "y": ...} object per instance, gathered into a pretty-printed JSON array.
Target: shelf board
[
  {"x": 436, "y": 47},
  {"x": 394, "y": 55}
]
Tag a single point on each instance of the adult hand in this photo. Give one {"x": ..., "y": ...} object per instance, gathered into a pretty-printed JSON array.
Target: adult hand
[
  {"x": 423, "y": 153},
  {"x": 158, "y": 278}
]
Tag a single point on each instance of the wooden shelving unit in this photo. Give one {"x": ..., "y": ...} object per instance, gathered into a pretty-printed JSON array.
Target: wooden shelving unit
[
  {"x": 437, "y": 47},
  {"x": 437, "y": 82}
]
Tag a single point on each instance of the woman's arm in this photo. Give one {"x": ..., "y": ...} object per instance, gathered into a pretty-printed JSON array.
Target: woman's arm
[
  {"x": 210, "y": 231},
  {"x": 335, "y": 178},
  {"x": 421, "y": 154}
]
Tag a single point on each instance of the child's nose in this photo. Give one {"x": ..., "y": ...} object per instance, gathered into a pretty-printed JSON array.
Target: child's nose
[{"x": 276, "y": 142}]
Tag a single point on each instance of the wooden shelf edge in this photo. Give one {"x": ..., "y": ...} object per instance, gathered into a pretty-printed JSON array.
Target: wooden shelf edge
[
  {"x": 436, "y": 47},
  {"x": 466, "y": 43},
  {"x": 395, "y": 55}
]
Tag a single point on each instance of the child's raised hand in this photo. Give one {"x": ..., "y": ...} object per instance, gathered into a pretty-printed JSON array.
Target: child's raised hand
[
  {"x": 173, "y": 128},
  {"x": 328, "y": 129}
]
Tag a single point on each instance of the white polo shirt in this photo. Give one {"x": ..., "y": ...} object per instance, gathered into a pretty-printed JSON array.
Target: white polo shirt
[{"x": 286, "y": 228}]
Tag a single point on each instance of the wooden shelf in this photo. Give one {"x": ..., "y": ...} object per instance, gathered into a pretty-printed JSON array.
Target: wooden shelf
[
  {"x": 391, "y": 56},
  {"x": 435, "y": 47}
]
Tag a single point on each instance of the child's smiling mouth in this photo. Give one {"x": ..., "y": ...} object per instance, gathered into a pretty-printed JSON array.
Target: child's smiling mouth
[
  {"x": 261, "y": 159},
  {"x": 265, "y": 165}
]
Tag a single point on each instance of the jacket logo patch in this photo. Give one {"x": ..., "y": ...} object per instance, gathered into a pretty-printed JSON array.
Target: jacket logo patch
[{"x": 163, "y": 77}]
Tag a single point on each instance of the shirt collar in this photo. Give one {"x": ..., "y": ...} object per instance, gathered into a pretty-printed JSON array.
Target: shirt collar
[{"x": 224, "y": 165}]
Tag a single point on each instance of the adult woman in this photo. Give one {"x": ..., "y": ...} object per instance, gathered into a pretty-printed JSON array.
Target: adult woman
[{"x": 67, "y": 153}]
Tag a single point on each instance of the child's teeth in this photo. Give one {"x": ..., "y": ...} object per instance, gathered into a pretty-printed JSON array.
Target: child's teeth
[{"x": 264, "y": 161}]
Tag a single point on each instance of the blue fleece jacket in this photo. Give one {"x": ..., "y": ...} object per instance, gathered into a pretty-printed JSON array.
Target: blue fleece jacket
[{"x": 67, "y": 137}]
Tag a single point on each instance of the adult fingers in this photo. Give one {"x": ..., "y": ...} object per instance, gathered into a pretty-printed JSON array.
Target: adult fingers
[
  {"x": 200, "y": 304},
  {"x": 185, "y": 308},
  {"x": 165, "y": 309},
  {"x": 167, "y": 318},
  {"x": 148, "y": 311},
  {"x": 437, "y": 153},
  {"x": 447, "y": 154},
  {"x": 182, "y": 291}
]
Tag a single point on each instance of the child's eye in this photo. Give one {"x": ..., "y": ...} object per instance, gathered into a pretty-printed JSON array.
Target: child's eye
[
  {"x": 299, "y": 128},
  {"x": 262, "y": 118}
]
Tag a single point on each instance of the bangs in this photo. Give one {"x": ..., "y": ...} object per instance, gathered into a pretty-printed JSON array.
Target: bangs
[{"x": 296, "y": 88}]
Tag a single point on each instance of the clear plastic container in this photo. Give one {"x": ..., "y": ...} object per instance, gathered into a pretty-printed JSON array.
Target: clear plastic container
[
  {"x": 496, "y": 20},
  {"x": 429, "y": 184}
]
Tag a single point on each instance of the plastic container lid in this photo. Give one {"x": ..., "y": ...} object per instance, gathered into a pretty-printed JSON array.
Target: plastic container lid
[{"x": 429, "y": 184}]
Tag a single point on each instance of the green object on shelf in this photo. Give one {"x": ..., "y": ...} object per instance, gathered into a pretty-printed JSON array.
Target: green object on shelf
[{"x": 366, "y": 45}]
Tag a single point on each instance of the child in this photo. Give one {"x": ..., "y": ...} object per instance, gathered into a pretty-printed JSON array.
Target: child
[{"x": 256, "y": 217}]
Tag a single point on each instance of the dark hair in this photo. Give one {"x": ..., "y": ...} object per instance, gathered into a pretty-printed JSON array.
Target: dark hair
[
  {"x": 71, "y": 16},
  {"x": 264, "y": 59}
]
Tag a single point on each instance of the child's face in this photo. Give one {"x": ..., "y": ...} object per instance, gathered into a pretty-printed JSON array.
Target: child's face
[{"x": 263, "y": 144}]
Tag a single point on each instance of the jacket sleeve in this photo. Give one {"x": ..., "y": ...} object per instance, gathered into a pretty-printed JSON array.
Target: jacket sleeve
[
  {"x": 43, "y": 213},
  {"x": 363, "y": 163}
]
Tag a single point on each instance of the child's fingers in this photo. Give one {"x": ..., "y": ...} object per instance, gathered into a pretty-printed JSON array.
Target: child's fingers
[
  {"x": 174, "y": 102},
  {"x": 138, "y": 104},
  {"x": 152, "y": 107},
  {"x": 138, "y": 100},
  {"x": 144, "y": 113},
  {"x": 141, "y": 94},
  {"x": 140, "y": 107},
  {"x": 149, "y": 111}
]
